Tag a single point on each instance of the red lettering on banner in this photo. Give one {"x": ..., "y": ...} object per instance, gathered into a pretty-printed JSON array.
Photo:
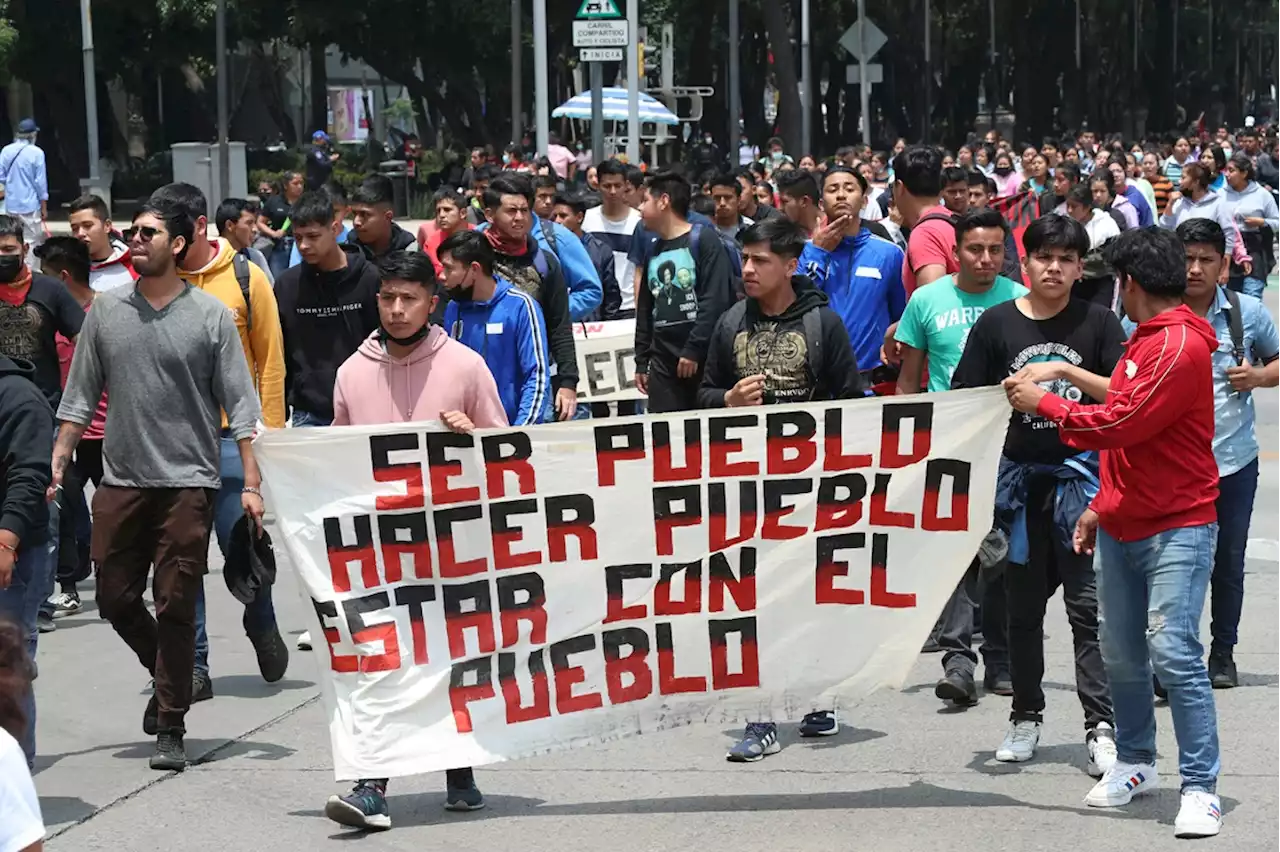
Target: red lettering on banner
[
  {"x": 609, "y": 452},
  {"x": 498, "y": 463},
  {"x": 568, "y": 676},
  {"x": 634, "y": 665},
  {"x": 722, "y": 446},
  {"x": 461, "y": 694},
  {"x": 749, "y": 675},
  {"x": 880, "y": 594},
  {"x": 668, "y": 682},
  {"x": 880, "y": 515},
  {"x": 741, "y": 587},
  {"x": 830, "y": 569},
  {"x": 540, "y": 708},
  {"x": 691, "y": 599},
  {"x": 834, "y": 457}
]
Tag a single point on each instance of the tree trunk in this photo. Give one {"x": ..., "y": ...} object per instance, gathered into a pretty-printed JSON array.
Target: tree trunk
[
  {"x": 784, "y": 71},
  {"x": 319, "y": 97}
]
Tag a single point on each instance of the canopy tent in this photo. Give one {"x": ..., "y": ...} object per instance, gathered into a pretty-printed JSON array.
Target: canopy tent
[{"x": 615, "y": 108}]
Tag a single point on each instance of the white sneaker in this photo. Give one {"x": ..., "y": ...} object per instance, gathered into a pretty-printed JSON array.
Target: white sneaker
[
  {"x": 65, "y": 604},
  {"x": 304, "y": 640},
  {"x": 1020, "y": 743},
  {"x": 1121, "y": 783},
  {"x": 1101, "y": 742},
  {"x": 1199, "y": 816}
]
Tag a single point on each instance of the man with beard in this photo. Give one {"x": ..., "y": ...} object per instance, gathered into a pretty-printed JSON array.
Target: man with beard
[
  {"x": 173, "y": 358},
  {"x": 91, "y": 225}
]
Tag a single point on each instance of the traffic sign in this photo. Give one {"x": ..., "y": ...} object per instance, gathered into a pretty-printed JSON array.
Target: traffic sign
[
  {"x": 596, "y": 9},
  {"x": 875, "y": 74},
  {"x": 600, "y": 54},
  {"x": 870, "y": 44},
  {"x": 599, "y": 33}
]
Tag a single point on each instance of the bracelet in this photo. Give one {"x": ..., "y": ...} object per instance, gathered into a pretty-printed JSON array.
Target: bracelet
[
  {"x": 9, "y": 547},
  {"x": 248, "y": 489}
]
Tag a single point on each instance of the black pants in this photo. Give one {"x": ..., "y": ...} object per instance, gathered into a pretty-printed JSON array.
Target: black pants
[
  {"x": 667, "y": 392},
  {"x": 955, "y": 626},
  {"x": 1028, "y": 589}
]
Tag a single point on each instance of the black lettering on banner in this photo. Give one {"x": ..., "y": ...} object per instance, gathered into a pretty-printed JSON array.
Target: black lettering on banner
[
  {"x": 345, "y": 663},
  {"x": 880, "y": 514},
  {"x": 504, "y": 454},
  {"x": 463, "y": 689},
  {"x": 404, "y": 535},
  {"x": 718, "y": 511},
  {"x": 840, "y": 501},
  {"x": 722, "y": 446},
  {"x": 341, "y": 554},
  {"x": 384, "y": 470},
  {"x": 615, "y": 443},
  {"x": 775, "y": 490},
  {"x": 690, "y": 599},
  {"x": 522, "y": 597},
  {"x": 570, "y": 516},
  {"x": 517, "y": 711},
  {"x": 829, "y": 570},
  {"x": 669, "y": 683},
  {"x": 626, "y": 372},
  {"x": 506, "y": 534},
  {"x": 834, "y": 458},
  {"x": 614, "y": 577},
  {"x": 741, "y": 587},
  {"x": 618, "y": 667},
  {"x": 445, "y": 520},
  {"x": 748, "y": 674},
  {"x": 664, "y": 470},
  {"x": 354, "y": 610},
  {"x": 893, "y": 415},
  {"x": 568, "y": 676},
  {"x": 880, "y": 594},
  {"x": 790, "y": 447},
  {"x": 412, "y": 598},
  {"x": 443, "y": 466},
  {"x": 596, "y": 378},
  {"x": 478, "y": 616},
  {"x": 667, "y": 518},
  {"x": 958, "y": 518}
]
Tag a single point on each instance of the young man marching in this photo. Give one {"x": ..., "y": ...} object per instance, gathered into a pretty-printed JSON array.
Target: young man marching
[{"x": 1044, "y": 486}]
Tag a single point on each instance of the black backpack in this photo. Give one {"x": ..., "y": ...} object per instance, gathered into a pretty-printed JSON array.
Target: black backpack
[
  {"x": 1235, "y": 324},
  {"x": 240, "y": 263}
]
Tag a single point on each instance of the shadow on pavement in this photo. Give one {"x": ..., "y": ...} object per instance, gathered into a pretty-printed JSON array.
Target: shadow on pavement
[
  {"x": 1063, "y": 754},
  {"x": 253, "y": 686},
  {"x": 789, "y": 736},
  {"x": 57, "y": 810},
  {"x": 198, "y": 751}
]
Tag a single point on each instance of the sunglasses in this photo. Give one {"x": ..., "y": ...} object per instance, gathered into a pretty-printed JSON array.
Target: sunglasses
[{"x": 146, "y": 233}]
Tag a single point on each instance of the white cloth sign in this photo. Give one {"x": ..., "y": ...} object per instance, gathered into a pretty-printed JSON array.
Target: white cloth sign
[
  {"x": 606, "y": 360},
  {"x": 492, "y": 596}
]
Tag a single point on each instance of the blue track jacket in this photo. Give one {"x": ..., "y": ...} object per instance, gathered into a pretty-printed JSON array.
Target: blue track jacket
[{"x": 510, "y": 334}]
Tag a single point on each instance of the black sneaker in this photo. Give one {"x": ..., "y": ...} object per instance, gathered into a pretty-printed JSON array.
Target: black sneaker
[
  {"x": 957, "y": 686},
  {"x": 273, "y": 654},
  {"x": 44, "y": 622},
  {"x": 1158, "y": 688},
  {"x": 820, "y": 723},
  {"x": 1222, "y": 669},
  {"x": 997, "y": 681},
  {"x": 364, "y": 807},
  {"x": 201, "y": 687},
  {"x": 463, "y": 794},
  {"x": 151, "y": 716},
  {"x": 170, "y": 754}
]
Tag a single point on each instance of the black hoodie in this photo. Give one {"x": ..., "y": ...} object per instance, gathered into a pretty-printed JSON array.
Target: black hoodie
[
  {"x": 26, "y": 447},
  {"x": 552, "y": 294},
  {"x": 748, "y": 343},
  {"x": 325, "y": 316},
  {"x": 401, "y": 240}
]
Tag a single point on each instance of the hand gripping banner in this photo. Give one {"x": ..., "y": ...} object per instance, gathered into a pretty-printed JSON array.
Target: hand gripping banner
[{"x": 485, "y": 597}]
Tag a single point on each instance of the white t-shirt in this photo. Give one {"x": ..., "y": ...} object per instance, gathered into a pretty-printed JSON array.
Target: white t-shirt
[
  {"x": 617, "y": 234},
  {"x": 20, "y": 821}
]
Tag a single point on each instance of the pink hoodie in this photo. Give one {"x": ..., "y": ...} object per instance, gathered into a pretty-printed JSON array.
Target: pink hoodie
[{"x": 440, "y": 375}]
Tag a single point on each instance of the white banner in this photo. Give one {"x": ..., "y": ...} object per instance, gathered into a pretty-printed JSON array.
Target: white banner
[
  {"x": 606, "y": 360},
  {"x": 487, "y": 597}
]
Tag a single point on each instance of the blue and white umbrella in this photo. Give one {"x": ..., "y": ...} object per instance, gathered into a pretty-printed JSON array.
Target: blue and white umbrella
[{"x": 615, "y": 108}]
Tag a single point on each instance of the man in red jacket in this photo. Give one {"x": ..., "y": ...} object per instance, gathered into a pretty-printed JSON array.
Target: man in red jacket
[{"x": 1154, "y": 521}]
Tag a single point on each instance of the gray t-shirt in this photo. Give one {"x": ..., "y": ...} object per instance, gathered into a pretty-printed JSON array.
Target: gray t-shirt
[{"x": 171, "y": 373}]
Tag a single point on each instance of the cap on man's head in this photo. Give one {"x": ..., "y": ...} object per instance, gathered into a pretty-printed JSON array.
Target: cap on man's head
[
  {"x": 320, "y": 136},
  {"x": 28, "y": 125}
]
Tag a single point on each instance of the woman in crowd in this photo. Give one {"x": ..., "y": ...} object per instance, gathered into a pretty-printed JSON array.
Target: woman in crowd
[
  {"x": 273, "y": 221},
  {"x": 1214, "y": 159}
]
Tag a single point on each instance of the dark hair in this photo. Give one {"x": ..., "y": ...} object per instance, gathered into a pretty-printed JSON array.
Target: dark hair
[
  {"x": 230, "y": 210},
  {"x": 729, "y": 180},
  {"x": 186, "y": 196},
  {"x": 1056, "y": 231},
  {"x": 337, "y": 194},
  {"x": 635, "y": 176},
  {"x": 67, "y": 254},
  {"x": 1049, "y": 142},
  {"x": 1250, "y": 132},
  {"x": 314, "y": 207},
  {"x": 374, "y": 190},
  {"x": 469, "y": 247},
  {"x": 840, "y": 169},
  {"x": 1104, "y": 177},
  {"x": 1081, "y": 195},
  {"x": 1071, "y": 170},
  {"x": 1198, "y": 173},
  {"x": 11, "y": 226},
  {"x": 675, "y": 188},
  {"x": 919, "y": 170},
  {"x": 1219, "y": 157},
  {"x": 285, "y": 180},
  {"x": 954, "y": 174},
  {"x": 544, "y": 182},
  {"x": 845, "y": 150},
  {"x": 177, "y": 221},
  {"x": 975, "y": 219},
  {"x": 486, "y": 172},
  {"x": 611, "y": 166},
  {"x": 976, "y": 178},
  {"x": 1153, "y": 257},
  {"x": 508, "y": 183},
  {"x": 93, "y": 203},
  {"x": 785, "y": 238},
  {"x": 799, "y": 184},
  {"x": 573, "y": 200},
  {"x": 1243, "y": 163},
  {"x": 15, "y": 679},
  {"x": 702, "y": 204},
  {"x": 412, "y": 266},
  {"x": 1203, "y": 232},
  {"x": 447, "y": 193}
]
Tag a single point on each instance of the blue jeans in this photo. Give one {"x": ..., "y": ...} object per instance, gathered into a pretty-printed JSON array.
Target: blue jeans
[
  {"x": 1247, "y": 285},
  {"x": 1235, "y": 507},
  {"x": 29, "y": 586},
  {"x": 1150, "y": 596},
  {"x": 259, "y": 616}
]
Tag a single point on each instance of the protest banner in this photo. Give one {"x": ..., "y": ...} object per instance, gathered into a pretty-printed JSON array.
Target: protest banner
[
  {"x": 485, "y": 597},
  {"x": 606, "y": 360}
]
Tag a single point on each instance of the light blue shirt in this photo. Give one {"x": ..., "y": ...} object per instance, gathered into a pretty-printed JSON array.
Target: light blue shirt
[
  {"x": 295, "y": 257},
  {"x": 25, "y": 179},
  {"x": 1235, "y": 441}
]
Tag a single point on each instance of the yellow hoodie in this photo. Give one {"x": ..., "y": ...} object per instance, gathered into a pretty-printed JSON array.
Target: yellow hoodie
[{"x": 264, "y": 345}]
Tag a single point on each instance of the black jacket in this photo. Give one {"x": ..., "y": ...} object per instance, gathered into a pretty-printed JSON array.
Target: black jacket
[
  {"x": 602, "y": 259},
  {"x": 400, "y": 240},
  {"x": 746, "y": 342},
  {"x": 325, "y": 317},
  {"x": 552, "y": 294},
  {"x": 26, "y": 447}
]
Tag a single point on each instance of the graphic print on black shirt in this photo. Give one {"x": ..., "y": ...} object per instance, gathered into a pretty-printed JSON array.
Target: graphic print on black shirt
[
  {"x": 27, "y": 331},
  {"x": 782, "y": 357},
  {"x": 1004, "y": 340},
  {"x": 672, "y": 277},
  {"x": 521, "y": 272}
]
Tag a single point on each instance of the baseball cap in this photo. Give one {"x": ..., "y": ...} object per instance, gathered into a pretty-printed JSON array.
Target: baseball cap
[
  {"x": 28, "y": 125},
  {"x": 320, "y": 135}
]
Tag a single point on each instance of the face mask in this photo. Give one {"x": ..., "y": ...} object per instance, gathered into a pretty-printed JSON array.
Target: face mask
[
  {"x": 385, "y": 335},
  {"x": 776, "y": 156},
  {"x": 707, "y": 139},
  {"x": 10, "y": 266},
  {"x": 461, "y": 293},
  {"x": 1003, "y": 170},
  {"x": 506, "y": 158}
]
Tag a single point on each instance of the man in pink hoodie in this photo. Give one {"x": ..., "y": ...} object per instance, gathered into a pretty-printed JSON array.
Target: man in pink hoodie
[{"x": 411, "y": 371}]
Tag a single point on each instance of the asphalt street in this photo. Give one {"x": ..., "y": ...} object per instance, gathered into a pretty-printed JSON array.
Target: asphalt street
[{"x": 905, "y": 772}]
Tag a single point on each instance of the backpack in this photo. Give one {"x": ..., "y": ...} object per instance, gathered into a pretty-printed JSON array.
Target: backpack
[
  {"x": 812, "y": 324},
  {"x": 1235, "y": 324},
  {"x": 730, "y": 249},
  {"x": 240, "y": 263}
]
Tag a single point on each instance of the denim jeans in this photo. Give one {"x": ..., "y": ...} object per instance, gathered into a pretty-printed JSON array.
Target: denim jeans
[
  {"x": 259, "y": 616},
  {"x": 29, "y": 586},
  {"x": 1235, "y": 507},
  {"x": 955, "y": 626},
  {"x": 1248, "y": 285},
  {"x": 1150, "y": 596}
]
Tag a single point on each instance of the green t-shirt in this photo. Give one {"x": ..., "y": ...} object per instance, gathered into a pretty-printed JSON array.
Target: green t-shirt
[{"x": 938, "y": 318}]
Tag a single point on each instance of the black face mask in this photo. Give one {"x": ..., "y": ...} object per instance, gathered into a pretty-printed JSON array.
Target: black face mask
[
  {"x": 10, "y": 266},
  {"x": 385, "y": 335},
  {"x": 1002, "y": 171}
]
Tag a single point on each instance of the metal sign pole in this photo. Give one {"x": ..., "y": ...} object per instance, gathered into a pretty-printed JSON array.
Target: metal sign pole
[
  {"x": 597, "y": 112},
  {"x": 864, "y": 87}
]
